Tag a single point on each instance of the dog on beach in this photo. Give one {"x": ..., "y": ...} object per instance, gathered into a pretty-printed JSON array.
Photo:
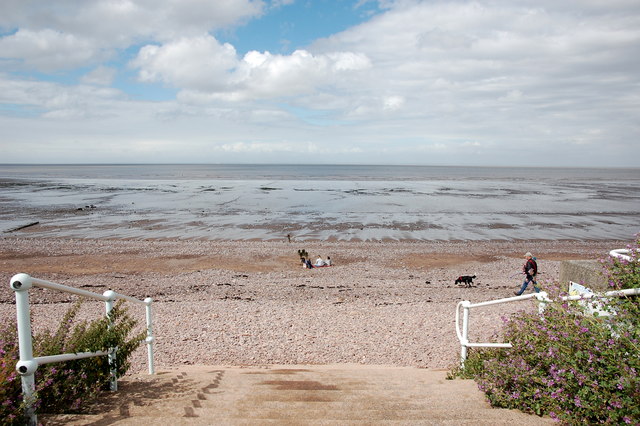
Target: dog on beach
[{"x": 467, "y": 280}]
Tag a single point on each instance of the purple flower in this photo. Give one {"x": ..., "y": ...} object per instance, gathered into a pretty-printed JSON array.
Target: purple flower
[{"x": 76, "y": 404}]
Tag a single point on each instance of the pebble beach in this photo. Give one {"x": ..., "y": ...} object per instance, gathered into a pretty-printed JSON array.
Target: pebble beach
[{"x": 251, "y": 303}]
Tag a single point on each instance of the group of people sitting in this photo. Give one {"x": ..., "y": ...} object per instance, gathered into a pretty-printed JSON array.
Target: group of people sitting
[{"x": 306, "y": 263}]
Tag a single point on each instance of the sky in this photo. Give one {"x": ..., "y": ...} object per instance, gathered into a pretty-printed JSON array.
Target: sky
[{"x": 531, "y": 83}]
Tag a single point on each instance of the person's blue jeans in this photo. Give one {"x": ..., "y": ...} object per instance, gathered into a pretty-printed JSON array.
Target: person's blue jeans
[{"x": 526, "y": 283}]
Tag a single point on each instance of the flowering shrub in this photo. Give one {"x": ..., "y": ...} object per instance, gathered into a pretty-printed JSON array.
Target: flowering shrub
[
  {"x": 573, "y": 367},
  {"x": 623, "y": 274},
  {"x": 64, "y": 387},
  {"x": 10, "y": 396}
]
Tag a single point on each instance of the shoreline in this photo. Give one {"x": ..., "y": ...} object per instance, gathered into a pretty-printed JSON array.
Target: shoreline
[
  {"x": 27, "y": 234},
  {"x": 250, "y": 302},
  {"x": 350, "y": 204},
  {"x": 111, "y": 226}
]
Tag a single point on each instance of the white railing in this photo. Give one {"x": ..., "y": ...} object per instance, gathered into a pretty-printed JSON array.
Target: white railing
[
  {"x": 463, "y": 335},
  {"x": 28, "y": 364},
  {"x": 623, "y": 254}
]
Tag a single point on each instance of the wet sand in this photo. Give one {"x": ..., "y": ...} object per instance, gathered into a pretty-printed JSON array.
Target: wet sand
[{"x": 323, "y": 202}]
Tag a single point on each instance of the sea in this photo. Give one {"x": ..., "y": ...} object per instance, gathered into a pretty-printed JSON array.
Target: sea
[{"x": 318, "y": 202}]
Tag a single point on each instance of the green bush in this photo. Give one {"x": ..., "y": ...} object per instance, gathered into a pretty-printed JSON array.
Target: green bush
[
  {"x": 573, "y": 367},
  {"x": 624, "y": 274},
  {"x": 10, "y": 388},
  {"x": 64, "y": 387}
]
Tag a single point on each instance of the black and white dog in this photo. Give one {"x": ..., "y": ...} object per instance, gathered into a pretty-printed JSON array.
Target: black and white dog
[{"x": 467, "y": 280}]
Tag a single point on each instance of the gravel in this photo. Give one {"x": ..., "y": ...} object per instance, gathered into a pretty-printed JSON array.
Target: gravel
[{"x": 250, "y": 303}]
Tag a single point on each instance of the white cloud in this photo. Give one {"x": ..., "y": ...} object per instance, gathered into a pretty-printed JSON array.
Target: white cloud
[
  {"x": 202, "y": 64},
  {"x": 68, "y": 33},
  {"x": 392, "y": 103},
  {"x": 425, "y": 80},
  {"x": 280, "y": 3},
  {"x": 472, "y": 144},
  {"x": 270, "y": 147},
  {"x": 47, "y": 50},
  {"x": 101, "y": 76},
  {"x": 281, "y": 147},
  {"x": 128, "y": 19},
  {"x": 262, "y": 75},
  {"x": 192, "y": 63},
  {"x": 59, "y": 101},
  {"x": 471, "y": 58}
]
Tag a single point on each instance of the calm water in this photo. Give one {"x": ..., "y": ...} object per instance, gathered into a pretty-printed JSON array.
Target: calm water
[{"x": 319, "y": 202}]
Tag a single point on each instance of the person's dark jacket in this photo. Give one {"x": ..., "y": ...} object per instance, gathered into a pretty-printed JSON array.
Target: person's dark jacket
[{"x": 530, "y": 269}]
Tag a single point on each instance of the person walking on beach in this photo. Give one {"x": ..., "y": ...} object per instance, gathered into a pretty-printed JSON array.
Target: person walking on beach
[{"x": 530, "y": 271}]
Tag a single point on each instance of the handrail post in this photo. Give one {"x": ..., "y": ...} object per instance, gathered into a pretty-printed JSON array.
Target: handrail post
[
  {"x": 113, "y": 372},
  {"x": 465, "y": 331},
  {"x": 27, "y": 366},
  {"x": 543, "y": 298},
  {"x": 150, "y": 339}
]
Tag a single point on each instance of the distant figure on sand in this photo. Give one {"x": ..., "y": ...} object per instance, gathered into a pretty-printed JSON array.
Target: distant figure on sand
[
  {"x": 530, "y": 271},
  {"x": 304, "y": 262},
  {"x": 328, "y": 261},
  {"x": 308, "y": 263},
  {"x": 320, "y": 262}
]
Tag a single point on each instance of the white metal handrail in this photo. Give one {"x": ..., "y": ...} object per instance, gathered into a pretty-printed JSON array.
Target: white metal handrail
[
  {"x": 28, "y": 364},
  {"x": 623, "y": 254},
  {"x": 463, "y": 335}
]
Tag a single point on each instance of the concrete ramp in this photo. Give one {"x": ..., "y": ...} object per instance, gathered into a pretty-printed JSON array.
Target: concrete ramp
[{"x": 297, "y": 395}]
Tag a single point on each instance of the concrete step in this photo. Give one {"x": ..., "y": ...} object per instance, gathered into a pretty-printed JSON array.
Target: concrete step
[
  {"x": 319, "y": 414},
  {"x": 358, "y": 410},
  {"x": 297, "y": 395},
  {"x": 328, "y": 414},
  {"x": 157, "y": 421}
]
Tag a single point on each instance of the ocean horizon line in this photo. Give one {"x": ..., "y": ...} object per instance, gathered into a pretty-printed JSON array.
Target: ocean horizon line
[{"x": 478, "y": 166}]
